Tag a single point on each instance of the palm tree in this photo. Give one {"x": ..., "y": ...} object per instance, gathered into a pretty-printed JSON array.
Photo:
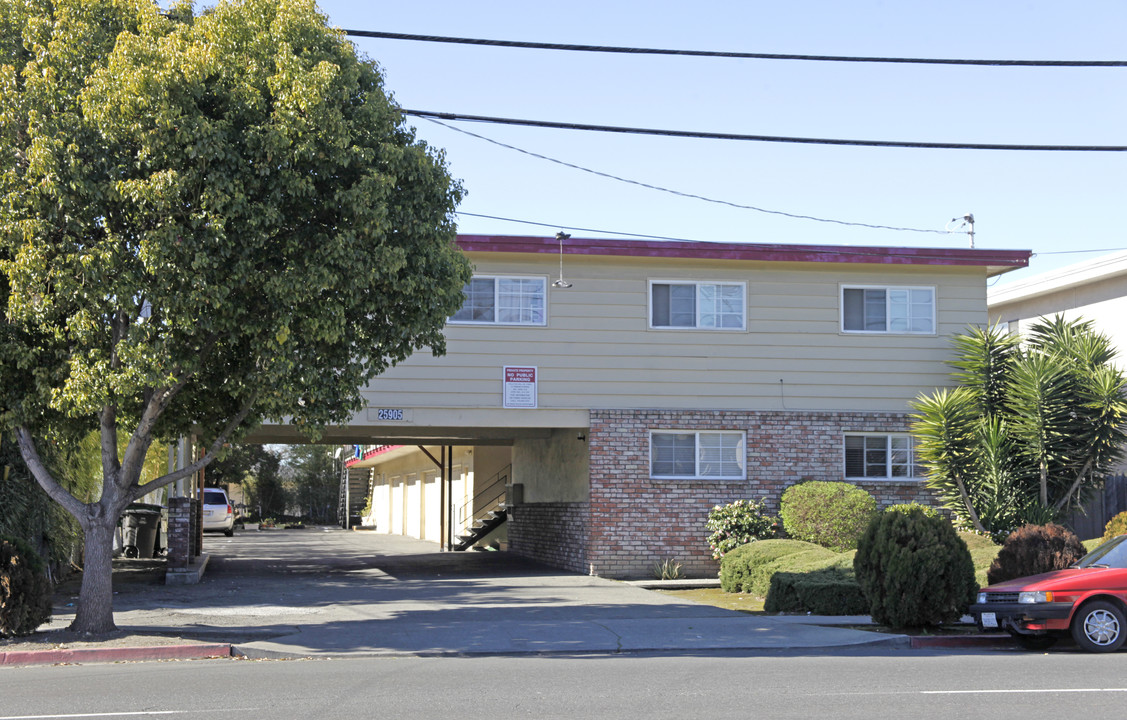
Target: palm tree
[{"x": 1032, "y": 427}]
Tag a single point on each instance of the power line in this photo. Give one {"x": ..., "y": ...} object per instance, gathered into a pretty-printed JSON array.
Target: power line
[
  {"x": 822, "y": 249},
  {"x": 649, "y": 237},
  {"x": 678, "y": 192},
  {"x": 739, "y": 55},
  {"x": 680, "y": 239},
  {"x": 1074, "y": 252},
  {"x": 577, "y": 229},
  {"x": 759, "y": 138}
]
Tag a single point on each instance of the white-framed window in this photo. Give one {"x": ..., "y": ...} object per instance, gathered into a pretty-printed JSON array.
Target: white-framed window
[
  {"x": 503, "y": 300},
  {"x": 889, "y": 309},
  {"x": 875, "y": 455},
  {"x": 697, "y": 454},
  {"x": 690, "y": 304}
]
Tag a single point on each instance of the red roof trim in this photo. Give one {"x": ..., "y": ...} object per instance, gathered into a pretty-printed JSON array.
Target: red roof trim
[
  {"x": 379, "y": 450},
  {"x": 748, "y": 251}
]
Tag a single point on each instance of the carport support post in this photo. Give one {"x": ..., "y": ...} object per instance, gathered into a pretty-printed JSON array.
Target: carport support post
[{"x": 449, "y": 455}]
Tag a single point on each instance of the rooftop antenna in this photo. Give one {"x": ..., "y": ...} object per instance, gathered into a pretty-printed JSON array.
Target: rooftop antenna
[
  {"x": 968, "y": 221},
  {"x": 561, "y": 283}
]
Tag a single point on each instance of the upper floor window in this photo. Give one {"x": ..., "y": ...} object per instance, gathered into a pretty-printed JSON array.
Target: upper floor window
[
  {"x": 881, "y": 456},
  {"x": 688, "y": 454},
  {"x": 697, "y": 305},
  {"x": 888, "y": 309},
  {"x": 503, "y": 300}
]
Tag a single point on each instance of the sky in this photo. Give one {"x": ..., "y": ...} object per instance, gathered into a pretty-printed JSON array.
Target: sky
[{"x": 1052, "y": 203}]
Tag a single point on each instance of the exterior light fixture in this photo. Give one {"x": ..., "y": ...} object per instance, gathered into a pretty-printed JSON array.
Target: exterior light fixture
[{"x": 561, "y": 283}]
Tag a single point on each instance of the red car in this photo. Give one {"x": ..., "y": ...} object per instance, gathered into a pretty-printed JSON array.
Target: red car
[{"x": 1088, "y": 599}]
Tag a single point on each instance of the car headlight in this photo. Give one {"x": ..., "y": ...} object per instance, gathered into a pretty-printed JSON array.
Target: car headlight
[
  {"x": 982, "y": 598},
  {"x": 1031, "y": 596}
]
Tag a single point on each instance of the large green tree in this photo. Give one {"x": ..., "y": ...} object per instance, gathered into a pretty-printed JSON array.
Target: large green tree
[
  {"x": 315, "y": 477},
  {"x": 205, "y": 221},
  {"x": 1032, "y": 427}
]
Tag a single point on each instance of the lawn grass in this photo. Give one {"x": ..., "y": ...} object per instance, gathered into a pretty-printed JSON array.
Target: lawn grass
[
  {"x": 982, "y": 552},
  {"x": 742, "y": 602}
]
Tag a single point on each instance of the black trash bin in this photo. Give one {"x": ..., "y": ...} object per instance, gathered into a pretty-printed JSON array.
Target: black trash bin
[{"x": 140, "y": 525}]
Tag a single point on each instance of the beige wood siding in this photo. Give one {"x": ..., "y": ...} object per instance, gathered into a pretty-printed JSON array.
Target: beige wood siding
[{"x": 598, "y": 351}]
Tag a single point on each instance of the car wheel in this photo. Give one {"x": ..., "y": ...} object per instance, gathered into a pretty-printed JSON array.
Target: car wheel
[
  {"x": 229, "y": 532},
  {"x": 1099, "y": 627},
  {"x": 1035, "y": 642}
]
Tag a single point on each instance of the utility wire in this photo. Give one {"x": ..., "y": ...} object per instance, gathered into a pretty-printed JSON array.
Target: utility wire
[
  {"x": 678, "y": 239},
  {"x": 1074, "y": 252},
  {"x": 740, "y": 55},
  {"x": 822, "y": 249},
  {"x": 678, "y": 192},
  {"x": 577, "y": 229},
  {"x": 758, "y": 138}
]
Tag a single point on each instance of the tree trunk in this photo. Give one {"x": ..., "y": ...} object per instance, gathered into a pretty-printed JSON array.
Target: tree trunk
[
  {"x": 95, "y": 600},
  {"x": 1044, "y": 484}
]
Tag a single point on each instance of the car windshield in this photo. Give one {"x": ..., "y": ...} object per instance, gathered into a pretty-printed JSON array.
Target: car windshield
[
  {"x": 1112, "y": 553},
  {"x": 211, "y": 497}
]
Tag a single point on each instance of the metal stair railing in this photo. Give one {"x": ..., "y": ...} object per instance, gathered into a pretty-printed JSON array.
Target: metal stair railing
[{"x": 490, "y": 499}]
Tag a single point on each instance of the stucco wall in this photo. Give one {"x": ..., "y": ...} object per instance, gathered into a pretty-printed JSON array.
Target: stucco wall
[
  {"x": 553, "y": 470},
  {"x": 406, "y": 493},
  {"x": 490, "y": 460}
]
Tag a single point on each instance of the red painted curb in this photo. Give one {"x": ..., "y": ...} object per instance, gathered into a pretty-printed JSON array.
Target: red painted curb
[
  {"x": 91, "y": 655},
  {"x": 960, "y": 641}
]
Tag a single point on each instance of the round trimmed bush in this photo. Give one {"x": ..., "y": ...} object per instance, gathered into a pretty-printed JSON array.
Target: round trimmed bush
[
  {"x": 1035, "y": 549},
  {"x": 739, "y": 523},
  {"x": 748, "y": 568},
  {"x": 25, "y": 591},
  {"x": 1116, "y": 526},
  {"x": 830, "y": 514},
  {"x": 909, "y": 507},
  {"x": 914, "y": 569}
]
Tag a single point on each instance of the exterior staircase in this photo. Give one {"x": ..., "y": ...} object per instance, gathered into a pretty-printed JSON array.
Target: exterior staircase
[
  {"x": 489, "y": 510},
  {"x": 355, "y": 489}
]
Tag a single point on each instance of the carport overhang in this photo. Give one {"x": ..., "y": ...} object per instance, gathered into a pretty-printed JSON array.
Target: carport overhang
[
  {"x": 432, "y": 427},
  {"x": 361, "y": 435}
]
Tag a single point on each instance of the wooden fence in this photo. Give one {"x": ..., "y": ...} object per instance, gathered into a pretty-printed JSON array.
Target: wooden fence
[{"x": 1089, "y": 522}]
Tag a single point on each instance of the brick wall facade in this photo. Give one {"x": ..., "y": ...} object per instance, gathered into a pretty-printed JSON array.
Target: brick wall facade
[
  {"x": 183, "y": 517},
  {"x": 637, "y": 521},
  {"x": 552, "y": 533}
]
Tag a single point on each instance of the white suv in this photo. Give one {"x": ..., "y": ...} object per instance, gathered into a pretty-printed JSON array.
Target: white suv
[{"x": 217, "y": 511}]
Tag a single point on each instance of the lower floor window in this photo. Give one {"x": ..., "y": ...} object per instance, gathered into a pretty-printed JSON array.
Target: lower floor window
[
  {"x": 703, "y": 454},
  {"x": 881, "y": 456}
]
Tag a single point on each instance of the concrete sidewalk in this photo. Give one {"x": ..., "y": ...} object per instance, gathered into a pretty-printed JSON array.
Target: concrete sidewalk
[{"x": 332, "y": 593}]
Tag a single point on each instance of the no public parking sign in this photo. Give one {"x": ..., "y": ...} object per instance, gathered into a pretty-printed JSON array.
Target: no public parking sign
[{"x": 519, "y": 386}]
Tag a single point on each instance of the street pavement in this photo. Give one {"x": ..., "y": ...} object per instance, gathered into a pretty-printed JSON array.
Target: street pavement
[{"x": 327, "y": 592}]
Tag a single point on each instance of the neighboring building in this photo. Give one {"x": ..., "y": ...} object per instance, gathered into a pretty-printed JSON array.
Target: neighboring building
[
  {"x": 669, "y": 377},
  {"x": 1095, "y": 290}
]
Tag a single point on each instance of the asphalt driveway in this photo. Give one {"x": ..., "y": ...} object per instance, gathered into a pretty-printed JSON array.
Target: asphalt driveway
[{"x": 331, "y": 592}]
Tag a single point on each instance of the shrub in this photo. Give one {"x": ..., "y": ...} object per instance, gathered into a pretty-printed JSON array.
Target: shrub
[
  {"x": 1116, "y": 526},
  {"x": 830, "y": 514},
  {"x": 668, "y": 569},
  {"x": 749, "y": 568},
  {"x": 737, "y": 524},
  {"x": 909, "y": 507},
  {"x": 1034, "y": 549},
  {"x": 829, "y": 591},
  {"x": 914, "y": 569},
  {"x": 25, "y": 591}
]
